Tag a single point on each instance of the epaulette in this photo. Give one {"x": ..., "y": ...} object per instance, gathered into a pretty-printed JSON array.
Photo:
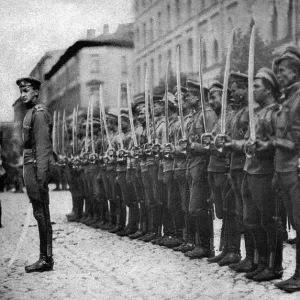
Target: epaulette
[{"x": 39, "y": 107}]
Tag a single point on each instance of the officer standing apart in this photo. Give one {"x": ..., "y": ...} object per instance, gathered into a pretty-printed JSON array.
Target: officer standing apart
[{"x": 38, "y": 157}]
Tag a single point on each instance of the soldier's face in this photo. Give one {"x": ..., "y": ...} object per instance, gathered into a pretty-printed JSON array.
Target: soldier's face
[
  {"x": 260, "y": 92},
  {"x": 191, "y": 99},
  {"x": 237, "y": 93},
  {"x": 215, "y": 100},
  {"x": 28, "y": 94},
  {"x": 286, "y": 75},
  {"x": 158, "y": 108}
]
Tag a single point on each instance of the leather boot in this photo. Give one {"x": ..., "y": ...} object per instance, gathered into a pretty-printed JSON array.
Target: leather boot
[
  {"x": 293, "y": 284},
  {"x": 118, "y": 227},
  {"x": 140, "y": 233},
  {"x": 244, "y": 266},
  {"x": 217, "y": 258},
  {"x": 260, "y": 267},
  {"x": 229, "y": 258},
  {"x": 42, "y": 265},
  {"x": 199, "y": 253}
]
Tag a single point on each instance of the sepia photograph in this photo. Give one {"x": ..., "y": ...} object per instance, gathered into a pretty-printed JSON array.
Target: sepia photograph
[{"x": 150, "y": 149}]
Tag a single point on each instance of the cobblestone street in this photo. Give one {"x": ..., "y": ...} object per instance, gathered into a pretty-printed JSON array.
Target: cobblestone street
[{"x": 93, "y": 264}]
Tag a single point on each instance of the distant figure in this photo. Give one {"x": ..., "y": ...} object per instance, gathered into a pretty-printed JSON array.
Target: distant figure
[{"x": 38, "y": 158}]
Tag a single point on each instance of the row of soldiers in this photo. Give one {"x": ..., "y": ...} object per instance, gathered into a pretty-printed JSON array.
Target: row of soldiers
[{"x": 170, "y": 179}]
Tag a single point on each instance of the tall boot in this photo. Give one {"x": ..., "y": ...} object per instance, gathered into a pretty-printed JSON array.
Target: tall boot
[
  {"x": 143, "y": 227},
  {"x": 274, "y": 269},
  {"x": 247, "y": 264},
  {"x": 153, "y": 226},
  {"x": 118, "y": 227},
  {"x": 292, "y": 284}
]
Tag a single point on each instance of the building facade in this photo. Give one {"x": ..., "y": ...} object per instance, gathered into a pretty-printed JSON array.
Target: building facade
[
  {"x": 162, "y": 25},
  {"x": 77, "y": 75}
]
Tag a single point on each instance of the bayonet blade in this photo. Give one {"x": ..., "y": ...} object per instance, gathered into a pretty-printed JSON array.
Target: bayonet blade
[
  {"x": 152, "y": 114},
  {"x": 119, "y": 116}
]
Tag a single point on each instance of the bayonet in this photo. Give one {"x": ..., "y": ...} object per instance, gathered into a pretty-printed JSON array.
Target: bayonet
[
  {"x": 92, "y": 125},
  {"x": 73, "y": 132},
  {"x": 120, "y": 133},
  {"x": 63, "y": 133},
  {"x": 152, "y": 115},
  {"x": 148, "y": 145}
]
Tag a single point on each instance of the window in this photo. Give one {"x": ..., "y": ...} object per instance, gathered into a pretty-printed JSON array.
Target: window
[
  {"x": 169, "y": 17},
  {"x": 144, "y": 34},
  {"x": 159, "y": 28},
  {"x": 94, "y": 64},
  {"x": 159, "y": 65},
  {"x": 151, "y": 30},
  {"x": 137, "y": 35},
  {"x": 190, "y": 55},
  {"x": 216, "y": 51},
  {"x": 275, "y": 23},
  {"x": 204, "y": 54},
  {"x": 124, "y": 65},
  {"x": 189, "y": 8},
  {"x": 138, "y": 74},
  {"x": 152, "y": 74},
  {"x": 169, "y": 56},
  {"x": 178, "y": 10},
  {"x": 290, "y": 19}
]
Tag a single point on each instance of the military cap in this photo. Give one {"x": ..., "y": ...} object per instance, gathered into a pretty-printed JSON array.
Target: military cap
[
  {"x": 139, "y": 99},
  {"x": 182, "y": 88},
  {"x": 269, "y": 75},
  {"x": 125, "y": 114},
  {"x": 171, "y": 99},
  {"x": 289, "y": 53},
  {"x": 29, "y": 81},
  {"x": 238, "y": 77},
  {"x": 194, "y": 86},
  {"x": 215, "y": 86},
  {"x": 112, "y": 115},
  {"x": 158, "y": 97}
]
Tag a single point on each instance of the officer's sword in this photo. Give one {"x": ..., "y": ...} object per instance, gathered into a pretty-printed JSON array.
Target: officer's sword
[
  {"x": 92, "y": 125},
  {"x": 166, "y": 103},
  {"x": 63, "y": 133},
  {"x": 73, "y": 132},
  {"x": 101, "y": 102},
  {"x": 181, "y": 118},
  {"x": 135, "y": 144},
  {"x": 252, "y": 137},
  {"x": 58, "y": 132},
  {"x": 23, "y": 235},
  {"x": 221, "y": 136},
  {"x": 54, "y": 132},
  {"x": 87, "y": 128}
]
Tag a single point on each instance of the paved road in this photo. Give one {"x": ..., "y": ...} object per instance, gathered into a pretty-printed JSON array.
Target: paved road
[{"x": 92, "y": 264}]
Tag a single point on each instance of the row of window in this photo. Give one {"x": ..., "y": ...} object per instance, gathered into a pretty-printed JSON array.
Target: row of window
[{"x": 188, "y": 59}]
